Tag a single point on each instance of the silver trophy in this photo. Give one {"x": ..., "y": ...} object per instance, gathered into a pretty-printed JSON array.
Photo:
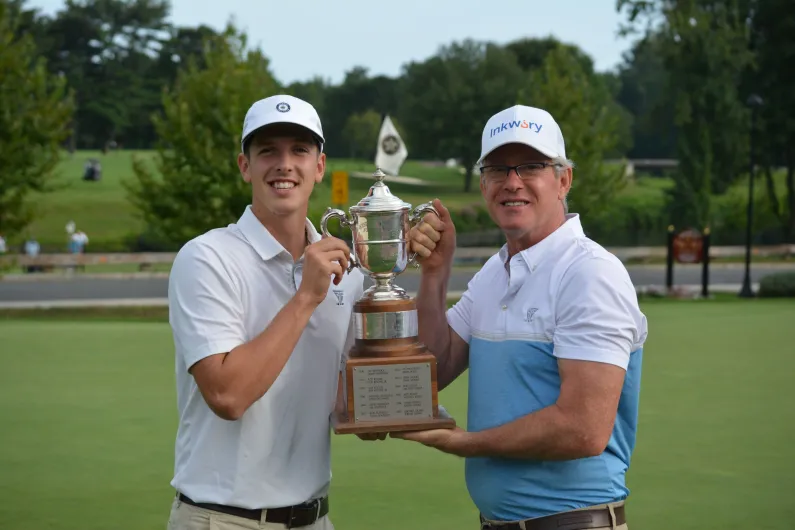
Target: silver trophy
[
  {"x": 380, "y": 225},
  {"x": 390, "y": 376}
]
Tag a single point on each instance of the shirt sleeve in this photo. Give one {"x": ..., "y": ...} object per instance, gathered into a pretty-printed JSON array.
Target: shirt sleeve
[
  {"x": 597, "y": 315},
  {"x": 205, "y": 310}
]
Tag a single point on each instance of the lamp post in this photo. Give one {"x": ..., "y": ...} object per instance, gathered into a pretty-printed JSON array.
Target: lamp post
[{"x": 754, "y": 101}]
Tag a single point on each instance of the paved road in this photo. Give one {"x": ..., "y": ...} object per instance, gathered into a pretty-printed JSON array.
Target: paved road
[{"x": 156, "y": 287}]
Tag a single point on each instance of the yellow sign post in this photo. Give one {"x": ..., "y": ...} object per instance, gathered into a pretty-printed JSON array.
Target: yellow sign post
[{"x": 339, "y": 187}]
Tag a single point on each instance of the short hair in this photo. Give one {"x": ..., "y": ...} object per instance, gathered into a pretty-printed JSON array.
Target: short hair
[{"x": 561, "y": 164}]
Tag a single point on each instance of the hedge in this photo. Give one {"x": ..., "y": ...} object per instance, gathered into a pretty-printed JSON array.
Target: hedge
[{"x": 778, "y": 285}]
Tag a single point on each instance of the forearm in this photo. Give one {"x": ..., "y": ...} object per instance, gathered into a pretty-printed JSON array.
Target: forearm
[
  {"x": 249, "y": 370},
  {"x": 547, "y": 434},
  {"x": 434, "y": 331}
]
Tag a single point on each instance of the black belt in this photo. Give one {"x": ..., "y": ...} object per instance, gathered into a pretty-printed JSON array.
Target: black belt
[
  {"x": 290, "y": 516},
  {"x": 576, "y": 520}
]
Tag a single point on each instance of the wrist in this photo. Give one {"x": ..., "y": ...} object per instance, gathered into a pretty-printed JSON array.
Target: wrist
[
  {"x": 435, "y": 277},
  {"x": 305, "y": 303},
  {"x": 469, "y": 444}
]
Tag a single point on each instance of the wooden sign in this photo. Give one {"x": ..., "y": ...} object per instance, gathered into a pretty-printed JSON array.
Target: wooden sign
[
  {"x": 688, "y": 246},
  {"x": 339, "y": 187}
]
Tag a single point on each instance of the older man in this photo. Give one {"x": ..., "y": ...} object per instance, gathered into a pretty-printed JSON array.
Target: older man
[{"x": 552, "y": 335}]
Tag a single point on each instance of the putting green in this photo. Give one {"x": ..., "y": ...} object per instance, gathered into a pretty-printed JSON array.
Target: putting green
[{"x": 88, "y": 420}]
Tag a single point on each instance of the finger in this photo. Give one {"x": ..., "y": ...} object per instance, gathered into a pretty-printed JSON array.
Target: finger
[
  {"x": 424, "y": 241},
  {"x": 337, "y": 271},
  {"x": 444, "y": 213},
  {"x": 433, "y": 220},
  {"x": 331, "y": 256},
  {"x": 420, "y": 250},
  {"x": 429, "y": 231},
  {"x": 333, "y": 243}
]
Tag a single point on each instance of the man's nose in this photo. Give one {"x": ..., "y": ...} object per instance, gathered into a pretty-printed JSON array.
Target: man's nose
[
  {"x": 284, "y": 161},
  {"x": 514, "y": 181}
]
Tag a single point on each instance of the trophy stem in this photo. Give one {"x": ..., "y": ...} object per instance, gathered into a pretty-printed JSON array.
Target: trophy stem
[
  {"x": 384, "y": 284},
  {"x": 384, "y": 289}
]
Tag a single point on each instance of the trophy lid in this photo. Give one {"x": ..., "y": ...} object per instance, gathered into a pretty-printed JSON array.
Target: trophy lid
[{"x": 379, "y": 198}]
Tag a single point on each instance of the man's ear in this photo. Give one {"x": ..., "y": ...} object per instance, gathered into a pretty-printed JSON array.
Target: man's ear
[
  {"x": 565, "y": 183},
  {"x": 243, "y": 165},
  {"x": 321, "y": 168}
]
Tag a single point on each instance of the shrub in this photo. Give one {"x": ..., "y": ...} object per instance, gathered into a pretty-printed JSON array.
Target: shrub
[{"x": 778, "y": 285}]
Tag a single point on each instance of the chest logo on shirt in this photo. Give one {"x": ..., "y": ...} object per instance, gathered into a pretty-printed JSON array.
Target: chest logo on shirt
[
  {"x": 530, "y": 313},
  {"x": 340, "y": 294}
]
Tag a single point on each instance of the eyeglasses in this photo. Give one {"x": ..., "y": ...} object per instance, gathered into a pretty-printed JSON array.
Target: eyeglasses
[{"x": 525, "y": 171}]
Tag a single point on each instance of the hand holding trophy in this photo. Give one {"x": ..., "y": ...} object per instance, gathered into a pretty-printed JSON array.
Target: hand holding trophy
[{"x": 390, "y": 376}]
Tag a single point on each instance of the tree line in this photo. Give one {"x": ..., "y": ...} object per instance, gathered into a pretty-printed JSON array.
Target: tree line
[{"x": 124, "y": 76}]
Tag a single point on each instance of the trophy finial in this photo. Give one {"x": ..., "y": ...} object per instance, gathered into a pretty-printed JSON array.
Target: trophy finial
[{"x": 379, "y": 175}]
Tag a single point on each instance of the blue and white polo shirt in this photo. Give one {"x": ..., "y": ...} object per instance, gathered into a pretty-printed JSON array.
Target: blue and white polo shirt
[{"x": 563, "y": 298}]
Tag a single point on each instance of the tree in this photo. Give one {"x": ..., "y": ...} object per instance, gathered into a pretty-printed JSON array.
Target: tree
[
  {"x": 361, "y": 134},
  {"x": 592, "y": 123},
  {"x": 705, "y": 52},
  {"x": 531, "y": 53},
  {"x": 108, "y": 50},
  {"x": 446, "y": 100},
  {"x": 35, "y": 109},
  {"x": 643, "y": 91},
  {"x": 773, "y": 78},
  {"x": 198, "y": 186}
]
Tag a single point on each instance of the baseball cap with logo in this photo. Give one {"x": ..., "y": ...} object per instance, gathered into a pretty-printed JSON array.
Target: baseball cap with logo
[
  {"x": 523, "y": 125},
  {"x": 282, "y": 109}
]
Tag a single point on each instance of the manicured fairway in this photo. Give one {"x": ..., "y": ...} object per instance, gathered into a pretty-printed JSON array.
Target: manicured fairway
[{"x": 88, "y": 419}]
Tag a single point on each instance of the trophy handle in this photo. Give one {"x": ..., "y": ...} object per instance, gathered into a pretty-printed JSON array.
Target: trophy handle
[
  {"x": 416, "y": 218},
  {"x": 332, "y": 213}
]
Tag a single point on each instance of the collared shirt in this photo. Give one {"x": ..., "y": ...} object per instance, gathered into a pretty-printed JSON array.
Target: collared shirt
[
  {"x": 225, "y": 288},
  {"x": 564, "y": 298}
]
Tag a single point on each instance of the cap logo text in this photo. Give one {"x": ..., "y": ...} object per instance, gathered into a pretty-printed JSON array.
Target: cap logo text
[
  {"x": 535, "y": 127},
  {"x": 283, "y": 107}
]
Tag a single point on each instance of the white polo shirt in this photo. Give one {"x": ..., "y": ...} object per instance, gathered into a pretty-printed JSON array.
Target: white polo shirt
[
  {"x": 225, "y": 287},
  {"x": 563, "y": 298}
]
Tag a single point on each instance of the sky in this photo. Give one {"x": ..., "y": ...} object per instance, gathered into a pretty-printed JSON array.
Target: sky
[{"x": 308, "y": 38}]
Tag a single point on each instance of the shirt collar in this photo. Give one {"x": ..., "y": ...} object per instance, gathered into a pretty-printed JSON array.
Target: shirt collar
[
  {"x": 570, "y": 229},
  {"x": 262, "y": 240}
]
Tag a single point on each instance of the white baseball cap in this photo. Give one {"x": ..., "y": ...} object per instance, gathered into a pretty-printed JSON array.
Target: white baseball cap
[
  {"x": 282, "y": 109},
  {"x": 523, "y": 125}
]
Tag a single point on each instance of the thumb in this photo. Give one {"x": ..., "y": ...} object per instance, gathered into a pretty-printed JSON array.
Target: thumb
[{"x": 444, "y": 214}]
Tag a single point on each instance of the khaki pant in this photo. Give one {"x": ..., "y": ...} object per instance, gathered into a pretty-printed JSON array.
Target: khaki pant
[
  {"x": 611, "y": 507},
  {"x": 187, "y": 517}
]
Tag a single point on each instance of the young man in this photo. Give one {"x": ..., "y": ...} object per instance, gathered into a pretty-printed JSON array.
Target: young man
[
  {"x": 552, "y": 335},
  {"x": 261, "y": 317}
]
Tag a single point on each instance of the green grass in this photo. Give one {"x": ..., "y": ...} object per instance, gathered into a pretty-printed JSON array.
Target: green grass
[{"x": 88, "y": 414}]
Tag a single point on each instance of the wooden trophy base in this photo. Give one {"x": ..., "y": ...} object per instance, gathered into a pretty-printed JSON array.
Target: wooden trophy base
[{"x": 390, "y": 383}]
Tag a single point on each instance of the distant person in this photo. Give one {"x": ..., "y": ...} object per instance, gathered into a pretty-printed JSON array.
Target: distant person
[
  {"x": 31, "y": 248},
  {"x": 77, "y": 242},
  {"x": 552, "y": 335},
  {"x": 3, "y": 247},
  {"x": 261, "y": 314},
  {"x": 92, "y": 171}
]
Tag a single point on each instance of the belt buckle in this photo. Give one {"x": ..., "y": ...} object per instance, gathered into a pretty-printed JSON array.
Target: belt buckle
[{"x": 291, "y": 520}]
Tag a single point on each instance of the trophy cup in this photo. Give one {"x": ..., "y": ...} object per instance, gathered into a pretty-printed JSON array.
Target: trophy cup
[{"x": 390, "y": 377}]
